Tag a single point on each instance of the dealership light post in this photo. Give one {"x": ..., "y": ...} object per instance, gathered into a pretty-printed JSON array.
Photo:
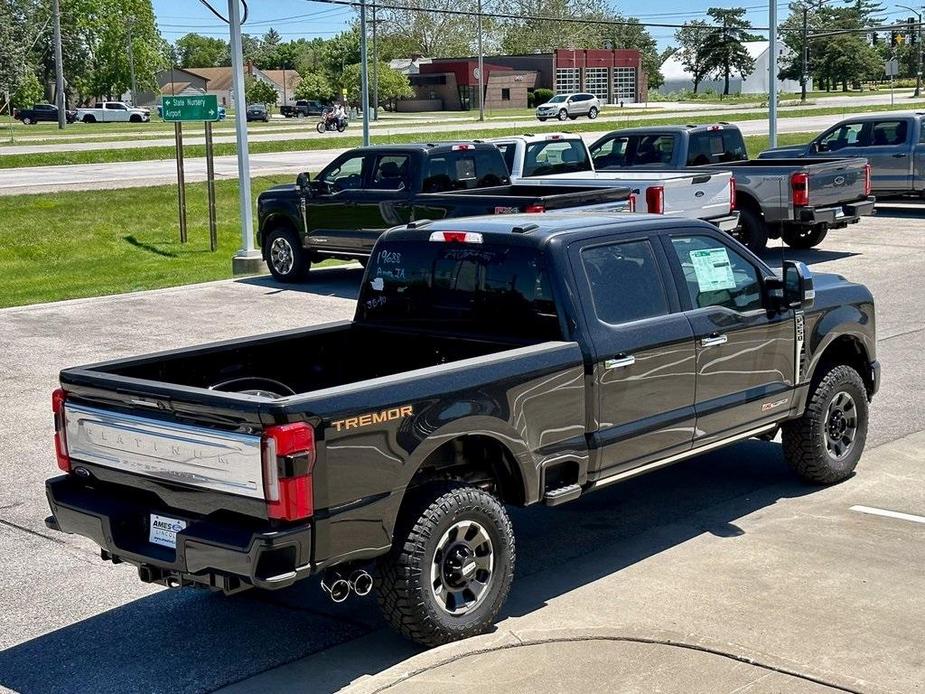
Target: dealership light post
[
  {"x": 772, "y": 73},
  {"x": 481, "y": 66},
  {"x": 247, "y": 259},
  {"x": 364, "y": 78}
]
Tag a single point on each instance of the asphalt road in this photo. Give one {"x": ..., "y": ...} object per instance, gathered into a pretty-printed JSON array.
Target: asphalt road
[
  {"x": 725, "y": 550},
  {"x": 43, "y": 179}
]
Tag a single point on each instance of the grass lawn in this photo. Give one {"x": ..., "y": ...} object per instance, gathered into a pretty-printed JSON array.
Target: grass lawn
[
  {"x": 90, "y": 243},
  {"x": 295, "y": 143}
]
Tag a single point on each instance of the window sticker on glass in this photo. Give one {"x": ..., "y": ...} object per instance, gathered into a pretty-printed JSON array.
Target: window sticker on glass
[{"x": 713, "y": 270}]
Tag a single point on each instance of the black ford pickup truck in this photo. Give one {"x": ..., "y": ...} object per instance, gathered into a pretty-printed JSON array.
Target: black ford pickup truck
[
  {"x": 492, "y": 361},
  {"x": 365, "y": 191}
]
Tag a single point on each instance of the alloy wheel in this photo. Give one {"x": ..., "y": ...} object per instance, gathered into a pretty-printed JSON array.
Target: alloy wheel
[
  {"x": 841, "y": 425},
  {"x": 281, "y": 255},
  {"x": 462, "y": 567}
]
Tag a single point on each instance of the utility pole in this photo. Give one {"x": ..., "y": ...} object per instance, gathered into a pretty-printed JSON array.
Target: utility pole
[
  {"x": 772, "y": 74},
  {"x": 247, "y": 259},
  {"x": 481, "y": 67},
  {"x": 804, "y": 70},
  {"x": 364, "y": 77},
  {"x": 59, "y": 66},
  {"x": 131, "y": 61},
  {"x": 375, "y": 68}
]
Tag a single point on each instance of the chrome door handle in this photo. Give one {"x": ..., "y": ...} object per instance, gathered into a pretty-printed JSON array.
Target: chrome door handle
[
  {"x": 899, "y": 155},
  {"x": 619, "y": 362},
  {"x": 713, "y": 340}
]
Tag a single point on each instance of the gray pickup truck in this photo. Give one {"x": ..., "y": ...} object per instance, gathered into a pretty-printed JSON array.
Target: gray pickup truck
[
  {"x": 789, "y": 198},
  {"x": 893, "y": 144}
]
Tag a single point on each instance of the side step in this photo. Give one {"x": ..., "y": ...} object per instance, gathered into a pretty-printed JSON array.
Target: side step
[{"x": 554, "y": 497}]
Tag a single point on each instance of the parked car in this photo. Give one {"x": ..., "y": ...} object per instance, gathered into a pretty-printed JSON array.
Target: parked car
[
  {"x": 112, "y": 112},
  {"x": 258, "y": 112},
  {"x": 42, "y": 112},
  {"x": 794, "y": 199},
  {"x": 303, "y": 108},
  {"x": 491, "y": 361},
  {"x": 559, "y": 159},
  {"x": 893, "y": 144},
  {"x": 566, "y": 106},
  {"x": 365, "y": 191}
]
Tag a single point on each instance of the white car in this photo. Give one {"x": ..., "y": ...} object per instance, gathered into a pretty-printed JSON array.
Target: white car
[
  {"x": 565, "y": 106},
  {"x": 113, "y": 112},
  {"x": 559, "y": 159}
]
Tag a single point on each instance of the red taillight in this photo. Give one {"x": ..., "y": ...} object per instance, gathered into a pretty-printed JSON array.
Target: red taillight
[
  {"x": 732, "y": 194},
  {"x": 456, "y": 237},
  {"x": 655, "y": 199},
  {"x": 632, "y": 202},
  {"x": 57, "y": 407},
  {"x": 462, "y": 148},
  {"x": 535, "y": 208},
  {"x": 799, "y": 184},
  {"x": 867, "y": 184},
  {"x": 288, "y": 459}
]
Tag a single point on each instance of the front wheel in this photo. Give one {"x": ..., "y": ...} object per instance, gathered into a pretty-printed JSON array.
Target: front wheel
[
  {"x": 450, "y": 568},
  {"x": 824, "y": 445},
  {"x": 321, "y": 127},
  {"x": 134, "y": 118},
  {"x": 541, "y": 120},
  {"x": 805, "y": 237},
  {"x": 563, "y": 115},
  {"x": 284, "y": 255},
  {"x": 592, "y": 113}
]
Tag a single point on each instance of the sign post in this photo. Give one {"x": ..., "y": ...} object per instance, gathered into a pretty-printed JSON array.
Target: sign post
[{"x": 193, "y": 108}]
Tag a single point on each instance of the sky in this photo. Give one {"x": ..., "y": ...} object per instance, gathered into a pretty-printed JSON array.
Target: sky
[{"x": 295, "y": 19}]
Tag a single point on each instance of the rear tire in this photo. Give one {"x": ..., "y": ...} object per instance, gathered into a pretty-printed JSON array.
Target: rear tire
[
  {"x": 89, "y": 119},
  {"x": 753, "y": 232},
  {"x": 824, "y": 445},
  {"x": 592, "y": 113},
  {"x": 450, "y": 568},
  {"x": 285, "y": 256},
  {"x": 805, "y": 238},
  {"x": 27, "y": 121}
]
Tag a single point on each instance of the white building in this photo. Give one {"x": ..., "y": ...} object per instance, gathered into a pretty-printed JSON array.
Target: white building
[{"x": 678, "y": 79}]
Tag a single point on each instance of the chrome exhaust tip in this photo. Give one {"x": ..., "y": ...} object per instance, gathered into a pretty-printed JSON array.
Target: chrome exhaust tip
[
  {"x": 336, "y": 586},
  {"x": 361, "y": 582}
]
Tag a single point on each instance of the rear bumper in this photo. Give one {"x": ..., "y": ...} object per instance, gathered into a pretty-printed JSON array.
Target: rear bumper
[
  {"x": 838, "y": 215},
  {"x": 727, "y": 222},
  {"x": 226, "y": 555}
]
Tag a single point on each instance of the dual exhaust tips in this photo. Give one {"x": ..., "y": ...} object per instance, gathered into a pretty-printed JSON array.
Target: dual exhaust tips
[{"x": 339, "y": 588}]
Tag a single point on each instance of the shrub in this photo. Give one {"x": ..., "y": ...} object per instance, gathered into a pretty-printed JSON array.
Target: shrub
[{"x": 542, "y": 95}]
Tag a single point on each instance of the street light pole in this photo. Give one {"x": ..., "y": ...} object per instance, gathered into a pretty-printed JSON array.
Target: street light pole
[
  {"x": 481, "y": 67},
  {"x": 375, "y": 68},
  {"x": 364, "y": 77},
  {"x": 804, "y": 70},
  {"x": 59, "y": 66},
  {"x": 131, "y": 61},
  {"x": 918, "y": 48},
  {"x": 772, "y": 73}
]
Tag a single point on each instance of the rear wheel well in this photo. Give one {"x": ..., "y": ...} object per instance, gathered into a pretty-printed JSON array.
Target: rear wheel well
[
  {"x": 478, "y": 460},
  {"x": 850, "y": 352}
]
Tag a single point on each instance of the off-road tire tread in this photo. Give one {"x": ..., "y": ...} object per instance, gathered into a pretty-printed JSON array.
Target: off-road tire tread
[
  {"x": 399, "y": 589},
  {"x": 804, "y": 447}
]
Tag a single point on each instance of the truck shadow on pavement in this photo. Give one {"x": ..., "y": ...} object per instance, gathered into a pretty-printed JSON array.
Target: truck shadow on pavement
[
  {"x": 342, "y": 282},
  {"x": 189, "y": 640}
]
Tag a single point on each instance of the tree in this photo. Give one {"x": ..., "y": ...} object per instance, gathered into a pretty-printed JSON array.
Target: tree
[
  {"x": 195, "y": 50},
  {"x": 28, "y": 90},
  {"x": 392, "y": 83},
  {"x": 692, "y": 52},
  {"x": 543, "y": 35},
  {"x": 314, "y": 85},
  {"x": 434, "y": 34},
  {"x": 724, "y": 51},
  {"x": 13, "y": 63},
  {"x": 257, "y": 91}
]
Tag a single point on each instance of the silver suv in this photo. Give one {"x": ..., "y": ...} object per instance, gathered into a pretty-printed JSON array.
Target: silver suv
[{"x": 564, "y": 106}]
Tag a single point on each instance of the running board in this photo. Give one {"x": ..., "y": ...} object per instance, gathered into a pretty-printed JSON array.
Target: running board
[
  {"x": 554, "y": 497},
  {"x": 655, "y": 464}
]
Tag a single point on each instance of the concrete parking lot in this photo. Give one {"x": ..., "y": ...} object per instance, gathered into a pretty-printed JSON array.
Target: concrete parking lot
[{"x": 720, "y": 574}]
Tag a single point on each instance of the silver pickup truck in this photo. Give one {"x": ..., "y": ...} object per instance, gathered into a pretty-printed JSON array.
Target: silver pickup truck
[
  {"x": 792, "y": 198},
  {"x": 893, "y": 144}
]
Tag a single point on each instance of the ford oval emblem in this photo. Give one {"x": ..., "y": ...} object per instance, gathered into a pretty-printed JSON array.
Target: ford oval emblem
[
  {"x": 698, "y": 194},
  {"x": 839, "y": 180}
]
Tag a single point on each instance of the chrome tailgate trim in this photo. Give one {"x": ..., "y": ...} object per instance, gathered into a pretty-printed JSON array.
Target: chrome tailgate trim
[{"x": 224, "y": 461}]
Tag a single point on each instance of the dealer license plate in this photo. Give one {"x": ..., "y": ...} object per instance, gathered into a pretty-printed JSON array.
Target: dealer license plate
[{"x": 163, "y": 530}]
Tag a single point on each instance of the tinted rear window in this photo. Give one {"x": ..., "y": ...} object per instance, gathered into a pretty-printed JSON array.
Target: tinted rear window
[
  {"x": 555, "y": 157},
  {"x": 627, "y": 151},
  {"x": 715, "y": 147},
  {"x": 476, "y": 168},
  {"x": 494, "y": 290}
]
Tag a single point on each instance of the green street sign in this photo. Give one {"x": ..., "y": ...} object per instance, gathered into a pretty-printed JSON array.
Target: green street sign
[{"x": 190, "y": 108}]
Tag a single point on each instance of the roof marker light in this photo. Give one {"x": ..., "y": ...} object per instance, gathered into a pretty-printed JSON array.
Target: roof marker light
[{"x": 456, "y": 237}]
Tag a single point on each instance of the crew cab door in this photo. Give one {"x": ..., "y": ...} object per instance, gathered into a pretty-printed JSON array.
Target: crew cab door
[
  {"x": 889, "y": 151},
  {"x": 745, "y": 363},
  {"x": 113, "y": 111},
  {"x": 643, "y": 354},
  {"x": 333, "y": 216},
  {"x": 386, "y": 199}
]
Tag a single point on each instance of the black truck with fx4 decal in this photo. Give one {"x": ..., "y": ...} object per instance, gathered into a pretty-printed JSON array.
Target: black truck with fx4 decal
[
  {"x": 367, "y": 190},
  {"x": 492, "y": 361}
]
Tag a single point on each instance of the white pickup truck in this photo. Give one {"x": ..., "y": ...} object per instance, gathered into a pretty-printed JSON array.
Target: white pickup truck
[
  {"x": 562, "y": 159},
  {"x": 113, "y": 112}
]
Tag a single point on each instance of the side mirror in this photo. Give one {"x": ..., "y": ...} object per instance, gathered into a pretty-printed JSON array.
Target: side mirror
[
  {"x": 798, "y": 285},
  {"x": 302, "y": 182}
]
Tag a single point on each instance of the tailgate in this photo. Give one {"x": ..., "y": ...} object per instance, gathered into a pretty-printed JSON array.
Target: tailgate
[
  {"x": 701, "y": 196},
  {"x": 832, "y": 183},
  {"x": 196, "y": 456}
]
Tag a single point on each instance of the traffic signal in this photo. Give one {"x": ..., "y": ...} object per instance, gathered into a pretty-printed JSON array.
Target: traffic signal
[
  {"x": 874, "y": 38},
  {"x": 894, "y": 39},
  {"x": 913, "y": 30}
]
